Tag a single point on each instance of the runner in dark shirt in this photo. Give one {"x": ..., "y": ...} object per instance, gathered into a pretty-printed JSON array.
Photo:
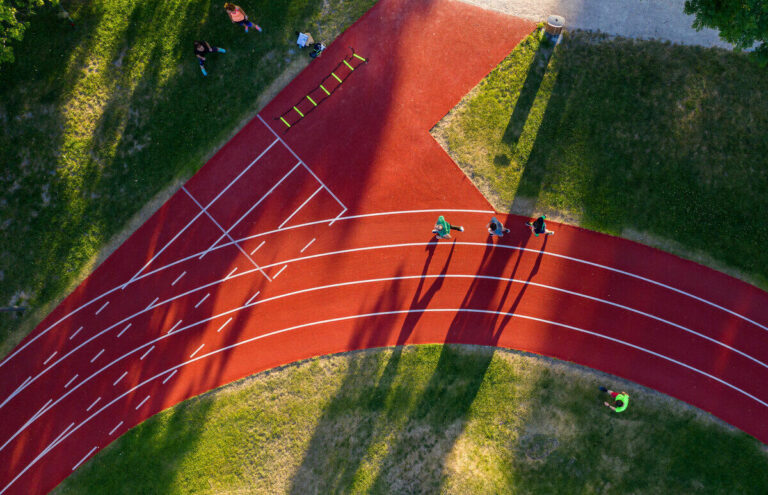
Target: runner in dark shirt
[
  {"x": 203, "y": 47},
  {"x": 539, "y": 226}
]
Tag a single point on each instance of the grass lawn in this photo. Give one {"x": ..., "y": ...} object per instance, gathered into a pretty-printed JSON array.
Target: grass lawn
[
  {"x": 664, "y": 144},
  {"x": 427, "y": 419},
  {"x": 96, "y": 120}
]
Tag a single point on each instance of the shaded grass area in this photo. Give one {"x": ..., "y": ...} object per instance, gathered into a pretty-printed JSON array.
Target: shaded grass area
[
  {"x": 426, "y": 419},
  {"x": 665, "y": 144},
  {"x": 96, "y": 120}
]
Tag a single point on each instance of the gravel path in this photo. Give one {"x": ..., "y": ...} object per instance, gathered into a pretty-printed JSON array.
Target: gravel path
[{"x": 646, "y": 19}]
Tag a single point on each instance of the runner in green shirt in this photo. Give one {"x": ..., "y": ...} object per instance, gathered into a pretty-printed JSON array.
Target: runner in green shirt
[
  {"x": 620, "y": 400},
  {"x": 442, "y": 228}
]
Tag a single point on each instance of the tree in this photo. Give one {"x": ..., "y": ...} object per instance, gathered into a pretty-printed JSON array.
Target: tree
[
  {"x": 13, "y": 23},
  {"x": 744, "y": 23}
]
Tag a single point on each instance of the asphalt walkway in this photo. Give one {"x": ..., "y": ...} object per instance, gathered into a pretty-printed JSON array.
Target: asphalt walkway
[{"x": 644, "y": 19}]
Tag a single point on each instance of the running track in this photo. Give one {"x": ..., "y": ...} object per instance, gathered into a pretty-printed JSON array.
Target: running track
[{"x": 291, "y": 245}]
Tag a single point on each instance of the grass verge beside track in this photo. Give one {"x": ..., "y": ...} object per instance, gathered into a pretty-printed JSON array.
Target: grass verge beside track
[
  {"x": 664, "y": 144},
  {"x": 427, "y": 419},
  {"x": 96, "y": 120}
]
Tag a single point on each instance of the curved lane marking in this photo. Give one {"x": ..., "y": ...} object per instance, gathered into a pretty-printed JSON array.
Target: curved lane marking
[
  {"x": 367, "y": 215},
  {"x": 375, "y": 280},
  {"x": 222, "y": 246},
  {"x": 368, "y": 315}
]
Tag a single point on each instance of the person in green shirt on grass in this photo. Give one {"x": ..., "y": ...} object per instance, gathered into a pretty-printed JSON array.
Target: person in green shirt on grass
[
  {"x": 620, "y": 400},
  {"x": 442, "y": 228}
]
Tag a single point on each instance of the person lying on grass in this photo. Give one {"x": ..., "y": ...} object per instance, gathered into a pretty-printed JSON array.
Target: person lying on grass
[{"x": 203, "y": 47}]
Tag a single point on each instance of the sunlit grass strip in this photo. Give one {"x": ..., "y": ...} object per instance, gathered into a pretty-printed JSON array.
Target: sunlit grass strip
[
  {"x": 664, "y": 144},
  {"x": 429, "y": 419}
]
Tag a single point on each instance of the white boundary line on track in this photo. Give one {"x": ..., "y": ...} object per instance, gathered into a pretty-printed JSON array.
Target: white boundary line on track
[
  {"x": 308, "y": 244},
  {"x": 368, "y": 315},
  {"x": 300, "y": 207},
  {"x": 199, "y": 214},
  {"x": 226, "y": 234},
  {"x": 178, "y": 278},
  {"x": 332, "y": 253},
  {"x": 301, "y": 161},
  {"x": 259, "y": 247},
  {"x": 253, "y": 207},
  {"x": 376, "y": 280},
  {"x": 116, "y": 427},
  {"x": 152, "y": 272},
  {"x": 76, "y": 332},
  {"x": 101, "y": 308},
  {"x": 500, "y": 246},
  {"x": 123, "y": 330},
  {"x": 85, "y": 457},
  {"x": 389, "y": 213}
]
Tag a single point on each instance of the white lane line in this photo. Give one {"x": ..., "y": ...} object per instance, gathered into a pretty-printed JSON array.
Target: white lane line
[
  {"x": 196, "y": 350},
  {"x": 226, "y": 234},
  {"x": 21, "y": 387},
  {"x": 337, "y": 217},
  {"x": 383, "y": 313},
  {"x": 142, "y": 402},
  {"x": 86, "y": 456},
  {"x": 153, "y": 302},
  {"x": 280, "y": 271},
  {"x": 227, "y": 322},
  {"x": 93, "y": 404},
  {"x": 94, "y": 358},
  {"x": 247, "y": 302},
  {"x": 121, "y": 377},
  {"x": 145, "y": 354},
  {"x": 123, "y": 330},
  {"x": 259, "y": 247},
  {"x": 201, "y": 300},
  {"x": 71, "y": 380},
  {"x": 174, "y": 326},
  {"x": 169, "y": 376},
  {"x": 57, "y": 440},
  {"x": 49, "y": 358},
  {"x": 203, "y": 210},
  {"x": 300, "y": 207},
  {"x": 299, "y": 159},
  {"x": 178, "y": 278},
  {"x": 253, "y": 207},
  {"x": 101, "y": 308},
  {"x": 74, "y": 334},
  {"x": 233, "y": 271},
  {"x": 118, "y": 425},
  {"x": 86, "y": 304},
  {"x": 42, "y": 409},
  {"x": 302, "y": 259},
  {"x": 308, "y": 244},
  {"x": 376, "y": 280}
]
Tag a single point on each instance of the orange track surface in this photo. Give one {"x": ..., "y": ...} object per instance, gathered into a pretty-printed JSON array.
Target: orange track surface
[{"x": 288, "y": 245}]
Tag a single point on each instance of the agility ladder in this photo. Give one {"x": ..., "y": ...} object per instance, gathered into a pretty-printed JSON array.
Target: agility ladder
[{"x": 326, "y": 88}]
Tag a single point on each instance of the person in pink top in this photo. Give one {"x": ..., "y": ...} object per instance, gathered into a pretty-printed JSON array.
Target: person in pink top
[{"x": 237, "y": 16}]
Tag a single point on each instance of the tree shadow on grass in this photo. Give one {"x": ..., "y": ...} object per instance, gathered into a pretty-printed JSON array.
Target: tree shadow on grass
[{"x": 530, "y": 89}]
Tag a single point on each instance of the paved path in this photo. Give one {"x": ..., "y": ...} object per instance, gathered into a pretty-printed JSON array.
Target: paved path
[{"x": 646, "y": 19}]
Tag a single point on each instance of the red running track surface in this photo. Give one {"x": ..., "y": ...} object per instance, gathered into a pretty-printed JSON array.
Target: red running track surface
[{"x": 288, "y": 245}]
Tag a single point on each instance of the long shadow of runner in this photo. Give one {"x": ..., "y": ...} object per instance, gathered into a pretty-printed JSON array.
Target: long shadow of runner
[
  {"x": 445, "y": 403},
  {"x": 361, "y": 405}
]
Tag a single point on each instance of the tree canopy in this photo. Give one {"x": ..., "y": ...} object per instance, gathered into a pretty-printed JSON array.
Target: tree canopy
[
  {"x": 744, "y": 23},
  {"x": 14, "y": 15}
]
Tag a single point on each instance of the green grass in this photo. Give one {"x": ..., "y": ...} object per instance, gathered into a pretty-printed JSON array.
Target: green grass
[
  {"x": 665, "y": 144},
  {"x": 96, "y": 120},
  {"x": 427, "y": 419}
]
